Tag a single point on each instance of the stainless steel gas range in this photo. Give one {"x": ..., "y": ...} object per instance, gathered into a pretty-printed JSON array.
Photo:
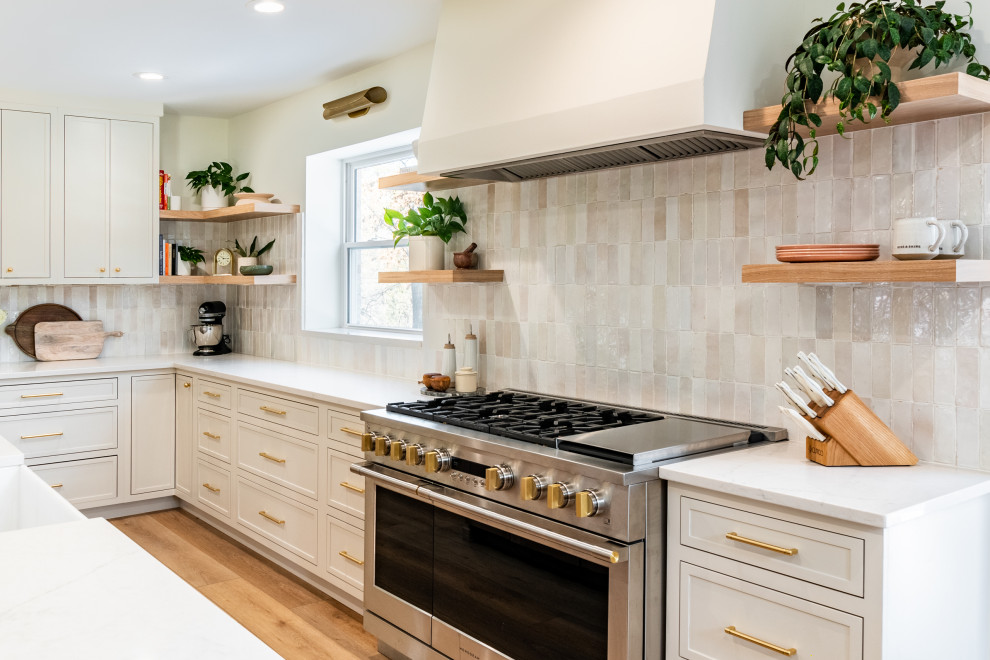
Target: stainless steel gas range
[{"x": 515, "y": 525}]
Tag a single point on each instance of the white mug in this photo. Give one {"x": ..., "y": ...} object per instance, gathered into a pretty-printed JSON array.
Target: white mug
[
  {"x": 953, "y": 248},
  {"x": 917, "y": 238}
]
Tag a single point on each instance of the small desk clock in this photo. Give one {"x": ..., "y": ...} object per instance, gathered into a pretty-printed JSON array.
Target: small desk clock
[{"x": 223, "y": 260}]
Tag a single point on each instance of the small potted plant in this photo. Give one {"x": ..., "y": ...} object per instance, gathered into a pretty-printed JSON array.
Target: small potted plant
[
  {"x": 428, "y": 229},
  {"x": 188, "y": 258},
  {"x": 215, "y": 184},
  {"x": 248, "y": 257}
]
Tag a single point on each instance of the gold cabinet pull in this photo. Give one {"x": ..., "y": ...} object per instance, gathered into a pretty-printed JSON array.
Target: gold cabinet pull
[
  {"x": 213, "y": 394},
  {"x": 38, "y": 396},
  {"x": 41, "y": 435},
  {"x": 117, "y": 269},
  {"x": 351, "y": 431},
  {"x": 790, "y": 552},
  {"x": 187, "y": 384},
  {"x": 211, "y": 436},
  {"x": 270, "y": 457},
  {"x": 103, "y": 270},
  {"x": 56, "y": 485},
  {"x": 352, "y": 487},
  {"x": 272, "y": 410},
  {"x": 265, "y": 514},
  {"x": 731, "y": 630},
  {"x": 343, "y": 553},
  {"x": 210, "y": 488},
  {"x": 10, "y": 270}
]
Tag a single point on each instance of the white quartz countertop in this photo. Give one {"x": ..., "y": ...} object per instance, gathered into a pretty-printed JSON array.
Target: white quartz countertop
[
  {"x": 876, "y": 496},
  {"x": 351, "y": 389},
  {"x": 84, "y": 590}
]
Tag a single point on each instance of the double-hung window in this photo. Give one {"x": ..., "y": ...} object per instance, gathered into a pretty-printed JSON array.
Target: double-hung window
[{"x": 368, "y": 246}]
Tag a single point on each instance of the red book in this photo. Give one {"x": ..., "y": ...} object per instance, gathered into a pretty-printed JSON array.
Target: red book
[{"x": 161, "y": 190}]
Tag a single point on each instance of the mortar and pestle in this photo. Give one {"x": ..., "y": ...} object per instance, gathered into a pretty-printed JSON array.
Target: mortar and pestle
[{"x": 466, "y": 259}]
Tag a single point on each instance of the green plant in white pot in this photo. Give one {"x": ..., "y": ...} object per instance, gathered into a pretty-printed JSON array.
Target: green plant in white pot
[
  {"x": 248, "y": 256},
  {"x": 428, "y": 228},
  {"x": 215, "y": 184},
  {"x": 189, "y": 257}
]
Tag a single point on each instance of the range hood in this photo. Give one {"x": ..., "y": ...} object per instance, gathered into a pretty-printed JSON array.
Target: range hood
[{"x": 522, "y": 89}]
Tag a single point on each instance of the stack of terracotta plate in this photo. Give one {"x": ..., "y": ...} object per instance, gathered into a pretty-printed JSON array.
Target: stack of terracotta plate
[{"x": 829, "y": 252}]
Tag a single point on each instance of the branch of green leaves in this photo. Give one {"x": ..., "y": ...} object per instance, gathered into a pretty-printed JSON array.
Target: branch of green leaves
[
  {"x": 442, "y": 217},
  {"x": 218, "y": 175},
  {"x": 870, "y": 32}
]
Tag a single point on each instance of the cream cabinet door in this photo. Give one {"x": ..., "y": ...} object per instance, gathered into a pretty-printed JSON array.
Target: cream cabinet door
[
  {"x": 152, "y": 433},
  {"x": 25, "y": 195},
  {"x": 133, "y": 188},
  {"x": 185, "y": 446},
  {"x": 87, "y": 196}
]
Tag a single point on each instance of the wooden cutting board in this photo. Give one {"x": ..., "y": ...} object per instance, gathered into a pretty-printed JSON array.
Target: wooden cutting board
[
  {"x": 70, "y": 340},
  {"x": 22, "y": 330}
]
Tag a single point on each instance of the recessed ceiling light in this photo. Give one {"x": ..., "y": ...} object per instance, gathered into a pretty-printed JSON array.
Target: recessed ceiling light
[
  {"x": 149, "y": 75},
  {"x": 267, "y": 6}
]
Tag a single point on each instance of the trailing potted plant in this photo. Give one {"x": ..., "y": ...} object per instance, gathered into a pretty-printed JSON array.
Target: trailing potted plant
[
  {"x": 188, "y": 258},
  {"x": 428, "y": 229},
  {"x": 861, "y": 45},
  {"x": 215, "y": 184},
  {"x": 249, "y": 256}
]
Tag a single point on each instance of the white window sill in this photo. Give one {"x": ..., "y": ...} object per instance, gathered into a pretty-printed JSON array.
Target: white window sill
[{"x": 385, "y": 337}]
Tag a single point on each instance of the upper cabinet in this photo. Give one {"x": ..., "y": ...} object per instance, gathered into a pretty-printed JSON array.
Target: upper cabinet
[
  {"x": 110, "y": 212},
  {"x": 25, "y": 195}
]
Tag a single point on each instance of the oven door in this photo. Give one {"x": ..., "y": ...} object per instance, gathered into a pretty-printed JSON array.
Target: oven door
[{"x": 475, "y": 578}]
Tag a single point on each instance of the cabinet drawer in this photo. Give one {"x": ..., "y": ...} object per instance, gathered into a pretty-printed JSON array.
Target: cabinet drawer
[
  {"x": 345, "y": 432},
  {"x": 277, "y": 518},
  {"x": 81, "y": 482},
  {"x": 825, "y": 558},
  {"x": 293, "y": 414},
  {"x": 346, "y": 488},
  {"x": 345, "y": 554},
  {"x": 213, "y": 488},
  {"x": 44, "y": 394},
  {"x": 212, "y": 393},
  {"x": 711, "y": 602},
  {"x": 62, "y": 432},
  {"x": 213, "y": 434},
  {"x": 286, "y": 461}
]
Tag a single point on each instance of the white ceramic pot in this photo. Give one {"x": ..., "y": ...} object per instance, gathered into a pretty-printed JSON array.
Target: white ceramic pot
[
  {"x": 426, "y": 253},
  {"x": 212, "y": 198},
  {"x": 183, "y": 267},
  {"x": 245, "y": 261}
]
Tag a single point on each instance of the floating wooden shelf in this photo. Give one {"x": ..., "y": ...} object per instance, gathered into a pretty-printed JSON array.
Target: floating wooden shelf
[
  {"x": 949, "y": 270},
  {"x": 425, "y": 182},
  {"x": 228, "y": 279},
  {"x": 934, "y": 97},
  {"x": 440, "y": 276},
  {"x": 231, "y": 213}
]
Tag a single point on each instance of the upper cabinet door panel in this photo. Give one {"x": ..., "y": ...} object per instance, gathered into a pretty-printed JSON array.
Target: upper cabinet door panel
[
  {"x": 25, "y": 194},
  {"x": 87, "y": 196},
  {"x": 132, "y": 195}
]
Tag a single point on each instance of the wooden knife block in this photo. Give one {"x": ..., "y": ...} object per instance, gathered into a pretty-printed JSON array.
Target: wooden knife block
[{"x": 854, "y": 435}]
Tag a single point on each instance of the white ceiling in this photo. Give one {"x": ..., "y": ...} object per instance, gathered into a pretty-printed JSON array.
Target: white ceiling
[{"x": 220, "y": 57}]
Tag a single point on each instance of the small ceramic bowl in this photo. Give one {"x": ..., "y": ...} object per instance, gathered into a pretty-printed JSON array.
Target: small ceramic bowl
[
  {"x": 251, "y": 198},
  {"x": 257, "y": 270}
]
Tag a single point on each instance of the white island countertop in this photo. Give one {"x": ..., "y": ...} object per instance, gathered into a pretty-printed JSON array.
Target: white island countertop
[
  {"x": 352, "y": 389},
  {"x": 84, "y": 590},
  {"x": 876, "y": 496}
]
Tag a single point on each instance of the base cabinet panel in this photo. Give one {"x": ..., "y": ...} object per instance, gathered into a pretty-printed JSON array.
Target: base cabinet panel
[
  {"x": 82, "y": 482},
  {"x": 152, "y": 433},
  {"x": 213, "y": 490},
  {"x": 185, "y": 448},
  {"x": 345, "y": 556},
  {"x": 61, "y": 432},
  {"x": 283, "y": 521}
]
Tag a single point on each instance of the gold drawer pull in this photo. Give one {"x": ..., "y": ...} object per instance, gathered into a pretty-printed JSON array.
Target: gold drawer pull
[
  {"x": 213, "y": 394},
  {"x": 270, "y": 457},
  {"x": 275, "y": 520},
  {"x": 272, "y": 410},
  {"x": 56, "y": 485},
  {"x": 731, "y": 630},
  {"x": 38, "y": 396},
  {"x": 41, "y": 435},
  {"x": 187, "y": 384},
  {"x": 343, "y": 553},
  {"x": 211, "y": 436},
  {"x": 350, "y": 487},
  {"x": 210, "y": 488},
  {"x": 351, "y": 431},
  {"x": 790, "y": 552}
]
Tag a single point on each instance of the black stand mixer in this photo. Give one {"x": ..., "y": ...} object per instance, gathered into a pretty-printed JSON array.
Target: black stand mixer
[{"x": 208, "y": 335}]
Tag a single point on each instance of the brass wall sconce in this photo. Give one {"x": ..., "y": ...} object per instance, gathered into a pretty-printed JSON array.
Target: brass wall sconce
[{"x": 354, "y": 105}]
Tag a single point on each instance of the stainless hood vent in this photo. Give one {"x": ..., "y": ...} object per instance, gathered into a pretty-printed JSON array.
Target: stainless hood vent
[{"x": 670, "y": 147}]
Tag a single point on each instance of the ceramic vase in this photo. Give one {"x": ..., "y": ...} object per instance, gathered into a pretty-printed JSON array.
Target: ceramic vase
[
  {"x": 211, "y": 198},
  {"x": 246, "y": 261},
  {"x": 426, "y": 253}
]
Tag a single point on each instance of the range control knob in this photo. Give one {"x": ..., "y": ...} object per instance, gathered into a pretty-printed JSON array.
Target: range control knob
[
  {"x": 588, "y": 503},
  {"x": 533, "y": 487},
  {"x": 383, "y": 445},
  {"x": 414, "y": 454},
  {"x": 398, "y": 450},
  {"x": 437, "y": 460},
  {"x": 559, "y": 495},
  {"x": 498, "y": 477},
  {"x": 367, "y": 442}
]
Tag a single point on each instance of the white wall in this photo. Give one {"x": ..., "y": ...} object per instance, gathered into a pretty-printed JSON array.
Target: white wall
[
  {"x": 191, "y": 143},
  {"x": 273, "y": 142}
]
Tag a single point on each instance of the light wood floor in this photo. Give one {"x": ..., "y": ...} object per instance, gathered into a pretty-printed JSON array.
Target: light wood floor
[{"x": 293, "y": 618}]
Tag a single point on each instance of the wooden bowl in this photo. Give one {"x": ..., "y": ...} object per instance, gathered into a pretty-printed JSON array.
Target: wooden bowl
[
  {"x": 428, "y": 379},
  {"x": 440, "y": 383}
]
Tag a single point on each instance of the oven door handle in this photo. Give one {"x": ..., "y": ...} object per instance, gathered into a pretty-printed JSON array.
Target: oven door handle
[{"x": 601, "y": 554}]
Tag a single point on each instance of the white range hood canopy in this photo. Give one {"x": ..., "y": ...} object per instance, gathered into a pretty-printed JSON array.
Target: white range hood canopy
[{"x": 522, "y": 89}]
